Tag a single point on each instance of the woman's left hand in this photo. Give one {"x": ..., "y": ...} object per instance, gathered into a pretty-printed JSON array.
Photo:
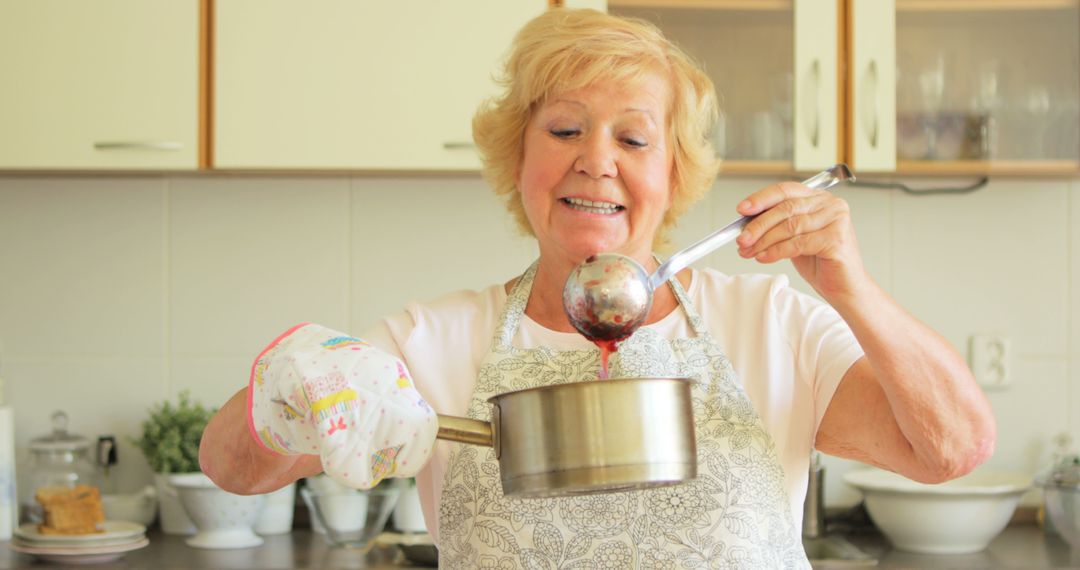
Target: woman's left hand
[{"x": 810, "y": 227}]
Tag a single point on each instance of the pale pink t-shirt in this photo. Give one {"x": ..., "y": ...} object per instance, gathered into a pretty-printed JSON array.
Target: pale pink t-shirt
[{"x": 790, "y": 351}]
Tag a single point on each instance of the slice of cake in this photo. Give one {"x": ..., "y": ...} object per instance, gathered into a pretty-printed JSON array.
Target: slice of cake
[{"x": 75, "y": 510}]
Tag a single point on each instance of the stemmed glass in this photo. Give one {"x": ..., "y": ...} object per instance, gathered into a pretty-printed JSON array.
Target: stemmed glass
[
  {"x": 932, "y": 94},
  {"x": 1037, "y": 105},
  {"x": 988, "y": 103}
]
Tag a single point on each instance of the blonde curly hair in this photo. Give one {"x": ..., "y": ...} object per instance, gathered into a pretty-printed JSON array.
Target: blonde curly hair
[{"x": 567, "y": 49}]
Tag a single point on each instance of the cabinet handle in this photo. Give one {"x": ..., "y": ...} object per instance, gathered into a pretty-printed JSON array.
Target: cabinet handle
[
  {"x": 138, "y": 145},
  {"x": 457, "y": 145},
  {"x": 811, "y": 108},
  {"x": 871, "y": 120}
]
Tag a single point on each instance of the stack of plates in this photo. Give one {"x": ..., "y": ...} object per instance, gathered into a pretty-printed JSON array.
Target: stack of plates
[{"x": 119, "y": 538}]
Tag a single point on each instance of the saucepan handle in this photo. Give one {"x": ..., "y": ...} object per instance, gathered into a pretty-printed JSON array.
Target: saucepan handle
[{"x": 465, "y": 430}]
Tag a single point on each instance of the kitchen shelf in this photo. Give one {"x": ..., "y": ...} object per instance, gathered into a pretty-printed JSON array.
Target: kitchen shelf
[
  {"x": 901, "y": 5},
  {"x": 751, "y": 5},
  {"x": 982, "y": 5},
  {"x": 982, "y": 167}
]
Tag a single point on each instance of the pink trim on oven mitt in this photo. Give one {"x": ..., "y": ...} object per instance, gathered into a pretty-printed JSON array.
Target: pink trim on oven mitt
[{"x": 318, "y": 391}]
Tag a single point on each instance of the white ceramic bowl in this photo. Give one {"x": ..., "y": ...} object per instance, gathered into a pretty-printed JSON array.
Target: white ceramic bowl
[
  {"x": 224, "y": 520},
  {"x": 956, "y": 517},
  {"x": 137, "y": 507}
]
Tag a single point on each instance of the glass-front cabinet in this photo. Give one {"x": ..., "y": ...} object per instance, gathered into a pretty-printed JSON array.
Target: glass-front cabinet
[
  {"x": 907, "y": 86},
  {"x": 987, "y": 85}
]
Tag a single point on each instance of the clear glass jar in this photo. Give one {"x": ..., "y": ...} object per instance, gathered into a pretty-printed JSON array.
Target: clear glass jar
[{"x": 59, "y": 459}]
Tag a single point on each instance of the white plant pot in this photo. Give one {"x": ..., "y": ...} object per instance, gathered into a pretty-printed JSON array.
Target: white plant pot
[
  {"x": 173, "y": 518},
  {"x": 408, "y": 515},
  {"x": 277, "y": 512},
  {"x": 224, "y": 520}
]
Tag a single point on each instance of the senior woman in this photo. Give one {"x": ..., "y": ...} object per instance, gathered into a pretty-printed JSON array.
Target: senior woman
[{"x": 598, "y": 144}]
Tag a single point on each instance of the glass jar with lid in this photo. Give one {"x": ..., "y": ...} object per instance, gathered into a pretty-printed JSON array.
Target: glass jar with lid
[{"x": 59, "y": 459}]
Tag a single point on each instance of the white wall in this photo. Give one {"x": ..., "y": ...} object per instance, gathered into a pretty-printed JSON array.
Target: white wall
[{"x": 118, "y": 292}]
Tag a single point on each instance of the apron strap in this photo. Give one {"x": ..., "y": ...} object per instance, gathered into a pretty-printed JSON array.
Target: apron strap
[
  {"x": 515, "y": 308},
  {"x": 692, "y": 315}
]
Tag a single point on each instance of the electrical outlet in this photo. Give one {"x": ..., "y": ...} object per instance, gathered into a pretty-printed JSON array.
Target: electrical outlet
[{"x": 989, "y": 359}]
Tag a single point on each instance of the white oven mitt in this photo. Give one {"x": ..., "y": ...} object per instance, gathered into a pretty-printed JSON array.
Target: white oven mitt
[{"x": 321, "y": 392}]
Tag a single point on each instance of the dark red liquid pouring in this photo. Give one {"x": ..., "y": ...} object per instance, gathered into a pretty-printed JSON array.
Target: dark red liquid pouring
[{"x": 607, "y": 348}]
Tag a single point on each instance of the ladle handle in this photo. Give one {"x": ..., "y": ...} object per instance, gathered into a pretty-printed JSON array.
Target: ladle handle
[
  {"x": 683, "y": 258},
  {"x": 465, "y": 430}
]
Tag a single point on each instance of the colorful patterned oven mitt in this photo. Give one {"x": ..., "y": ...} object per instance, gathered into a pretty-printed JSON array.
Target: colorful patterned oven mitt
[{"x": 318, "y": 391}]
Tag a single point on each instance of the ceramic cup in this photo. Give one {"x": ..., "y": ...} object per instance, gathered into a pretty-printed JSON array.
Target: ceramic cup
[
  {"x": 277, "y": 512},
  {"x": 139, "y": 507}
]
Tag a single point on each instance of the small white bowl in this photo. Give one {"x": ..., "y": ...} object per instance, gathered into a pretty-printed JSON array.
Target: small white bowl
[
  {"x": 139, "y": 507},
  {"x": 224, "y": 520},
  {"x": 957, "y": 517}
]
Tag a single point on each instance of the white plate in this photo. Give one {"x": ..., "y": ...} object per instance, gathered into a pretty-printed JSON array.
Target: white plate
[
  {"x": 79, "y": 555},
  {"x": 113, "y": 530},
  {"x": 83, "y": 544}
]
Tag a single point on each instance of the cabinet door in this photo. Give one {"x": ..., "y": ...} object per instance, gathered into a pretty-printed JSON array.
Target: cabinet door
[
  {"x": 817, "y": 84},
  {"x": 989, "y": 86},
  {"x": 108, "y": 84},
  {"x": 341, "y": 84},
  {"x": 872, "y": 128}
]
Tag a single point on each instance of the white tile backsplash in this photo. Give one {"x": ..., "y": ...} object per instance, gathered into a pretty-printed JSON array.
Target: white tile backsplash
[
  {"x": 993, "y": 261},
  {"x": 116, "y": 292},
  {"x": 81, "y": 265},
  {"x": 416, "y": 239},
  {"x": 250, "y": 257},
  {"x": 101, "y": 396}
]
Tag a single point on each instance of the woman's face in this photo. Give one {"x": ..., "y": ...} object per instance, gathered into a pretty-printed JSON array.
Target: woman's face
[{"x": 596, "y": 172}]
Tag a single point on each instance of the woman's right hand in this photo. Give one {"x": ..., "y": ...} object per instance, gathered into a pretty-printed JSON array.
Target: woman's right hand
[{"x": 239, "y": 464}]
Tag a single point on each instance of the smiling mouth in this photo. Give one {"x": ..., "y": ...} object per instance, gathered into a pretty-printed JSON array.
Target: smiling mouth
[{"x": 592, "y": 207}]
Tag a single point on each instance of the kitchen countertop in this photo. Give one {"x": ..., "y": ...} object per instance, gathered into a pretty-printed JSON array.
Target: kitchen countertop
[
  {"x": 300, "y": 548},
  {"x": 1019, "y": 546}
]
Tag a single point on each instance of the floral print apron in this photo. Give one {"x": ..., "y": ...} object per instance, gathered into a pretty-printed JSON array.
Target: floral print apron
[{"x": 734, "y": 515}]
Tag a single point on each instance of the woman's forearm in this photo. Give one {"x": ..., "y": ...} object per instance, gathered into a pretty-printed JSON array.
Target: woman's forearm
[
  {"x": 937, "y": 405},
  {"x": 231, "y": 457}
]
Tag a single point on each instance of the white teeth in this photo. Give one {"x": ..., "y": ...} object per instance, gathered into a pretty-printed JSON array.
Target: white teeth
[{"x": 591, "y": 206}]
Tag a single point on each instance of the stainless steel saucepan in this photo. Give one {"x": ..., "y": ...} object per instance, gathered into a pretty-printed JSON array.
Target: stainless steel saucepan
[{"x": 587, "y": 437}]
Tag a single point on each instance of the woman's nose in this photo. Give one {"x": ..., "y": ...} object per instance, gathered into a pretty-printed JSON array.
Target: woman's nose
[{"x": 597, "y": 158}]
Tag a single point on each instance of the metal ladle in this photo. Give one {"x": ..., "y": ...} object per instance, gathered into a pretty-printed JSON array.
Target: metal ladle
[{"x": 609, "y": 295}]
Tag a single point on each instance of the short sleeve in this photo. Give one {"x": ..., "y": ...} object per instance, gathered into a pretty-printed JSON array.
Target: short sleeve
[{"x": 823, "y": 345}]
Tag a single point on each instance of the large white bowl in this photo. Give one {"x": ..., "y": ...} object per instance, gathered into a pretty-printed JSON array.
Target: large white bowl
[
  {"x": 224, "y": 520},
  {"x": 957, "y": 517}
]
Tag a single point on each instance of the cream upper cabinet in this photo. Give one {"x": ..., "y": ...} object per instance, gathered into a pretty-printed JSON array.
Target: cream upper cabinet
[
  {"x": 107, "y": 84},
  {"x": 341, "y": 84}
]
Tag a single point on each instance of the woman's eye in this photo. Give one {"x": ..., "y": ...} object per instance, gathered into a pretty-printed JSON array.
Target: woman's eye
[
  {"x": 565, "y": 133},
  {"x": 635, "y": 142}
]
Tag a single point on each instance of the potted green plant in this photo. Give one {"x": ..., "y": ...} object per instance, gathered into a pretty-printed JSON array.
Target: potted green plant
[{"x": 170, "y": 442}]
